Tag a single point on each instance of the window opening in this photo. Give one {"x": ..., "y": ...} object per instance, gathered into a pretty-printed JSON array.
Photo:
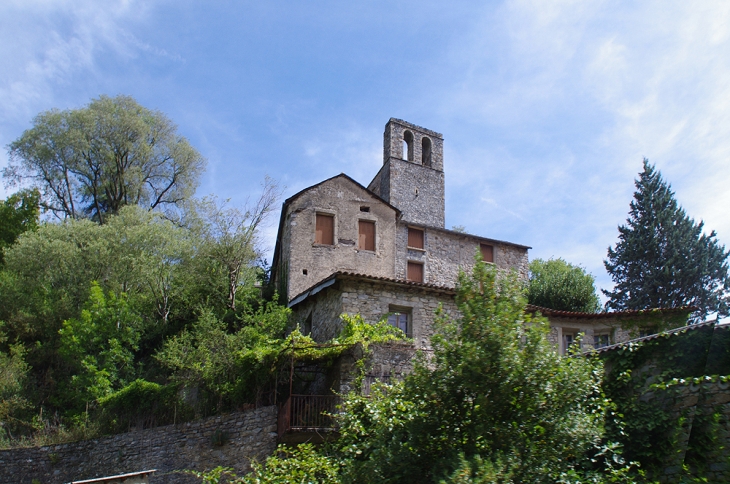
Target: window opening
[
  {"x": 366, "y": 240},
  {"x": 325, "y": 229},
  {"x": 487, "y": 252},
  {"x": 363, "y": 208},
  {"x": 601, "y": 340},
  {"x": 408, "y": 146},
  {"x": 569, "y": 339},
  {"x": 400, "y": 318},
  {"x": 426, "y": 151},
  {"x": 415, "y": 238},
  {"x": 304, "y": 271},
  {"x": 414, "y": 272}
]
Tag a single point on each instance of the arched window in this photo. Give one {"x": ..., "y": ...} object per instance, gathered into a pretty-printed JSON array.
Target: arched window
[
  {"x": 408, "y": 145},
  {"x": 426, "y": 151}
]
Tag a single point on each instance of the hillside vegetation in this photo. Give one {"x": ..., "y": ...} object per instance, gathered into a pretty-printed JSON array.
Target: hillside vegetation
[{"x": 99, "y": 322}]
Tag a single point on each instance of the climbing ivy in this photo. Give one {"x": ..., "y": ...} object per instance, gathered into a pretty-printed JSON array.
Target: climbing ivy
[{"x": 644, "y": 378}]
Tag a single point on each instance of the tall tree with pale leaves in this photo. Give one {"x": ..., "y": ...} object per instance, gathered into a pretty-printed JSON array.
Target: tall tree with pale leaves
[
  {"x": 92, "y": 161},
  {"x": 663, "y": 258}
]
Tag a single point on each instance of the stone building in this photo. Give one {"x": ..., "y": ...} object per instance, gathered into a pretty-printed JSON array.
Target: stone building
[{"x": 383, "y": 250}]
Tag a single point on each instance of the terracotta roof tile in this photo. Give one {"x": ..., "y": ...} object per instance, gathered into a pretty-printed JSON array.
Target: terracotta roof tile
[
  {"x": 313, "y": 289},
  {"x": 604, "y": 315},
  {"x": 671, "y": 332}
]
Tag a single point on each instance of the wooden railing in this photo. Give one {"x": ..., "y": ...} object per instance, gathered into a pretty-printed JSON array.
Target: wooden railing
[{"x": 308, "y": 413}]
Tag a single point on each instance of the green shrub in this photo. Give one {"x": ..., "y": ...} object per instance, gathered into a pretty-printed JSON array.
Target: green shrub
[{"x": 142, "y": 404}]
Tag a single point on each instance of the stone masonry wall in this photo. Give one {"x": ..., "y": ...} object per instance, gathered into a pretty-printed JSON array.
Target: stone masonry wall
[
  {"x": 588, "y": 327},
  {"x": 281, "y": 271},
  {"x": 323, "y": 311},
  {"x": 619, "y": 329},
  {"x": 309, "y": 263},
  {"x": 445, "y": 252},
  {"x": 373, "y": 300},
  {"x": 417, "y": 191},
  {"x": 393, "y": 143},
  {"x": 416, "y": 187},
  {"x": 386, "y": 363},
  {"x": 231, "y": 440},
  {"x": 376, "y": 183}
]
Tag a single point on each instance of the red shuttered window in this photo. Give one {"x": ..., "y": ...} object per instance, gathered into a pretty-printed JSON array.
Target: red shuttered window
[
  {"x": 487, "y": 252},
  {"x": 324, "y": 232},
  {"x": 366, "y": 240},
  {"x": 415, "y": 272},
  {"x": 415, "y": 238}
]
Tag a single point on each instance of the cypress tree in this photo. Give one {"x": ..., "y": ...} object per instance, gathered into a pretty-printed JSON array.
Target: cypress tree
[{"x": 663, "y": 259}]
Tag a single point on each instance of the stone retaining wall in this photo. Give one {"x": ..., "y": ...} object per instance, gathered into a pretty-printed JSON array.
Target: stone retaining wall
[
  {"x": 690, "y": 401},
  {"x": 230, "y": 440}
]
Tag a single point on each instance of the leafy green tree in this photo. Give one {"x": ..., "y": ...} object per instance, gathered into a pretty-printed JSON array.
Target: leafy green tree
[
  {"x": 300, "y": 464},
  {"x": 230, "y": 366},
  {"x": 559, "y": 285},
  {"x": 663, "y": 258},
  {"x": 13, "y": 374},
  {"x": 141, "y": 404},
  {"x": 494, "y": 394},
  {"x": 231, "y": 235},
  {"x": 99, "y": 347},
  {"x": 48, "y": 273},
  {"x": 47, "y": 280},
  {"x": 92, "y": 161},
  {"x": 18, "y": 213}
]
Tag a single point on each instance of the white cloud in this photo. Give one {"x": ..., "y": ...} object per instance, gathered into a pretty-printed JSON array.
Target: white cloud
[
  {"x": 51, "y": 45},
  {"x": 575, "y": 94},
  {"x": 50, "y": 48}
]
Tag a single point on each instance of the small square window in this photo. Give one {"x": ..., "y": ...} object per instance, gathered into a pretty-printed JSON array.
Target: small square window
[
  {"x": 601, "y": 340},
  {"x": 414, "y": 271},
  {"x": 324, "y": 232},
  {"x": 415, "y": 238},
  {"x": 366, "y": 239},
  {"x": 487, "y": 252},
  {"x": 401, "y": 319}
]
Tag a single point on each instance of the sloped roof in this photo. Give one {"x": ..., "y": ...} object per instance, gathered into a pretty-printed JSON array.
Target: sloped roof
[
  {"x": 670, "y": 332},
  {"x": 606, "y": 315},
  {"x": 346, "y": 177},
  {"x": 331, "y": 279}
]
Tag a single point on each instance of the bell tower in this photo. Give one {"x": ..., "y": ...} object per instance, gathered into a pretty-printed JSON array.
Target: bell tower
[{"x": 412, "y": 175}]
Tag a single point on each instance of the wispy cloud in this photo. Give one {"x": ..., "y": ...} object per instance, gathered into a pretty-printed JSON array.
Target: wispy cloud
[
  {"x": 49, "y": 49},
  {"x": 575, "y": 94},
  {"x": 50, "y": 46}
]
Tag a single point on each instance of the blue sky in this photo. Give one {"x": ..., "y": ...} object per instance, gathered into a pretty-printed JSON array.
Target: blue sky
[{"x": 547, "y": 107}]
